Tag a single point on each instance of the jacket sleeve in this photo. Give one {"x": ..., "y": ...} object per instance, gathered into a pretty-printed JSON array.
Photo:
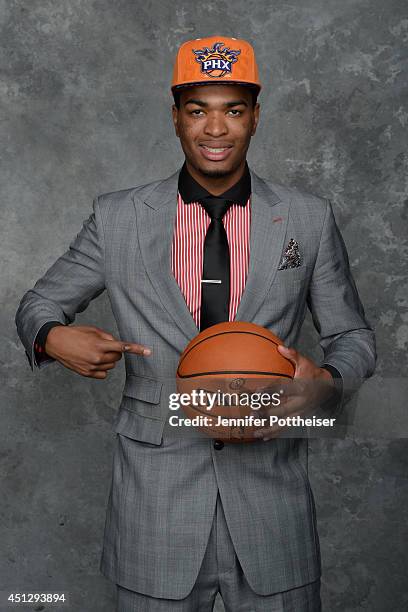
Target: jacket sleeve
[
  {"x": 346, "y": 337},
  {"x": 66, "y": 288}
]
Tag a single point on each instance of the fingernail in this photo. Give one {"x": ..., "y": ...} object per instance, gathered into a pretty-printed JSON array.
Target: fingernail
[
  {"x": 147, "y": 351},
  {"x": 126, "y": 347}
]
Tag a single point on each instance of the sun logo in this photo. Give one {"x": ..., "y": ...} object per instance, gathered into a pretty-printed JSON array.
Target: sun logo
[{"x": 216, "y": 62}]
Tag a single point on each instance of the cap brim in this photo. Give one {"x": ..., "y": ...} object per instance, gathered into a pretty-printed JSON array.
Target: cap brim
[{"x": 255, "y": 86}]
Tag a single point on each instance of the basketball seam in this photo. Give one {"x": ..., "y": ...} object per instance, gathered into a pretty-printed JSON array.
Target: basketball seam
[
  {"x": 233, "y": 372},
  {"x": 222, "y": 334}
]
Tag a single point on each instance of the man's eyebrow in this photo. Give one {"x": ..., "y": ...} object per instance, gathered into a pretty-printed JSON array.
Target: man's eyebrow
[
  {"x": 237, "y": 103},
  {"x": 193, "y": 101},
  {"x": 227, "y": 104}
]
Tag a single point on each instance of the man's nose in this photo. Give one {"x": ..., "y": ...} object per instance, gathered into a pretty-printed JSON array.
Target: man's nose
[{"x": 215, "y": 124}]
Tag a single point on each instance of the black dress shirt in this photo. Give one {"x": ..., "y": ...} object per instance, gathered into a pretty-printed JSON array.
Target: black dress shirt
[{"x": 191, "y": 191}]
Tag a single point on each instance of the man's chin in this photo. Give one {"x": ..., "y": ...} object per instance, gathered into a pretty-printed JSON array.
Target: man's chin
[
  {"x": 214, "y": 170},
  {"x": 216, "y": 173}
]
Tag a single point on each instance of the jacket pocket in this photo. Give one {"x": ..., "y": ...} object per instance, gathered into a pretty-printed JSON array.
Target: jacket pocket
[
  {"x": 141, "y": 416},
  {"x": 294, "y": 275},
  {"x": 138, "y": 427},
  {"x": 143, "y": 388}
]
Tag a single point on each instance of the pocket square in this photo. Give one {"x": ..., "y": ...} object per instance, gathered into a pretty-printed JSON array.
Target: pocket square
[{"x": 291, "y": 256}]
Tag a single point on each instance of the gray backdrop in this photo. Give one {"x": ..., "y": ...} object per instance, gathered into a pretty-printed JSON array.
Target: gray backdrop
[{"x": 85, "y": 108}]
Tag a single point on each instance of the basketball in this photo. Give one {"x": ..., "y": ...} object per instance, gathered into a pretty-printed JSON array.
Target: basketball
[{"x": 230, "y": 364}]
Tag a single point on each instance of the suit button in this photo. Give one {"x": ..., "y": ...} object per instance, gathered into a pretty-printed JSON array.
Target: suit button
[{"x": 218, "y": 444}]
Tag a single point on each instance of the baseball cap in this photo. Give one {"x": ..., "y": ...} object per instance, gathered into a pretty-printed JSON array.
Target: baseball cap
[{"x": 215, "y": 59}]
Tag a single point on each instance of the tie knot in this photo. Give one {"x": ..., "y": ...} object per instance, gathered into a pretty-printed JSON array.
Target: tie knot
[{"x": 215, "y": 207}]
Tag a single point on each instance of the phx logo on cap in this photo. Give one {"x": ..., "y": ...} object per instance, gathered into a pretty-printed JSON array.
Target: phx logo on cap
[
  {"x": 216, "y": 62},
  {"x": 208, "y": 60}
]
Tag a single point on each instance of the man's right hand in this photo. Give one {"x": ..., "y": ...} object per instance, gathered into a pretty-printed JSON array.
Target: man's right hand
[{"x": 88, "y": 350}]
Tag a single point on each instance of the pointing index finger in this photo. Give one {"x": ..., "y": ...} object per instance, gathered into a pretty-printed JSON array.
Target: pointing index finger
[{"x": 126, "y": 347}]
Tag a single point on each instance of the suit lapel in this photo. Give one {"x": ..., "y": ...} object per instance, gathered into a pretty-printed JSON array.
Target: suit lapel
[
  {"x": 269, "y": 218},
  {"x": 156, "y": 218}
]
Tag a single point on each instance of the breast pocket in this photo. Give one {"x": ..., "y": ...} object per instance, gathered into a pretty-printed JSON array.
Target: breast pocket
[
  {"x": 286, "y": 299},
  {"x": 294, "y": 275}
]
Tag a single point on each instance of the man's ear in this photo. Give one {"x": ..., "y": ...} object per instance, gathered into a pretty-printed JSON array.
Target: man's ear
[
  {"x": 174, "y": 111},
  {"x": 256, "y": 117}
]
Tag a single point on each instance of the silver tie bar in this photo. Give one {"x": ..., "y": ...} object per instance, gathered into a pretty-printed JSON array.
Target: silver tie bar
[{"x": 217, "y": 282}]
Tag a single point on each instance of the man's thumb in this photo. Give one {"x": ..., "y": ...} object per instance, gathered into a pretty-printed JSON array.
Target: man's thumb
[{"x": 286, "y": 351}]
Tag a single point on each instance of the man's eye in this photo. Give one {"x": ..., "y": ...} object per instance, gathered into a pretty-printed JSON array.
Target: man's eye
[
  {"x": 234, "y": 110},
  {"x": 196, "y": 111}
]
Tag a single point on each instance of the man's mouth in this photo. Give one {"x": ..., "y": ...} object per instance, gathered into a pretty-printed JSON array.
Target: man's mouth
[
  {"x": 215, "y": 150},
  {"x": 215, "y": 153}
]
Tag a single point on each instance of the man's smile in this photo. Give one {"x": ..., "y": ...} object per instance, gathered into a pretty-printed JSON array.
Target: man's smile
[{"x": 215, "y": 153}]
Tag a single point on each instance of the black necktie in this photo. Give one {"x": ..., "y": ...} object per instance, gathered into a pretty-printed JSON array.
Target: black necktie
[{"x": 215, "y": 283}]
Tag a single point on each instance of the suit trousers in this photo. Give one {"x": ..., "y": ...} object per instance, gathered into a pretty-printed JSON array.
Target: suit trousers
[{"x": 221, "y": 572}]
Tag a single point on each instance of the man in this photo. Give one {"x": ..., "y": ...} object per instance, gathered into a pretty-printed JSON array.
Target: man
[{"x": 188, "y": 518}]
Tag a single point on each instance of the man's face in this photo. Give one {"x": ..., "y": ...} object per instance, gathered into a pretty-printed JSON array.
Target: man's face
[{"x": 215, "y": 124}]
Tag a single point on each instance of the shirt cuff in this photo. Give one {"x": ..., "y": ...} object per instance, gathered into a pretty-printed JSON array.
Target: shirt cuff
[
  {"x": 337, "y": 378},
  {"x": 41, "y": 338}
]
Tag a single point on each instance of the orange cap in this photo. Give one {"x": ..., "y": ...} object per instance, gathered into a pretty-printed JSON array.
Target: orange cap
[{"x": 215, "y": 59}]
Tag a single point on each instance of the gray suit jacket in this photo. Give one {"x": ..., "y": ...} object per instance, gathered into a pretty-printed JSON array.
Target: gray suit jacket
[{"x": 163, "y": 488}]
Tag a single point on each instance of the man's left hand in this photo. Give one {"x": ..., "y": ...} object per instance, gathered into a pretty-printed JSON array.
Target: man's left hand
[{"x": 311, "y": 386}]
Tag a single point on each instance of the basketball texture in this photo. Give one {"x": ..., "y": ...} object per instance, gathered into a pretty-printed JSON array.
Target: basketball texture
[{"x": 232, "y": 358}]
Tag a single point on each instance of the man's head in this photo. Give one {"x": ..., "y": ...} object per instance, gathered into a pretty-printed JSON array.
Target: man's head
[
  {"x": 215, "y": 124},
  {"x": 215, "y": 87}
]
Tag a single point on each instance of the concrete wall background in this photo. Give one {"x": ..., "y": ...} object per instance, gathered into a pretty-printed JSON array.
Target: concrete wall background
[{"x": 85, "y": 108}]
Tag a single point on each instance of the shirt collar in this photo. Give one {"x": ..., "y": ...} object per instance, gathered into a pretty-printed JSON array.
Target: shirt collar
[{"x": 191, "y": 191}]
